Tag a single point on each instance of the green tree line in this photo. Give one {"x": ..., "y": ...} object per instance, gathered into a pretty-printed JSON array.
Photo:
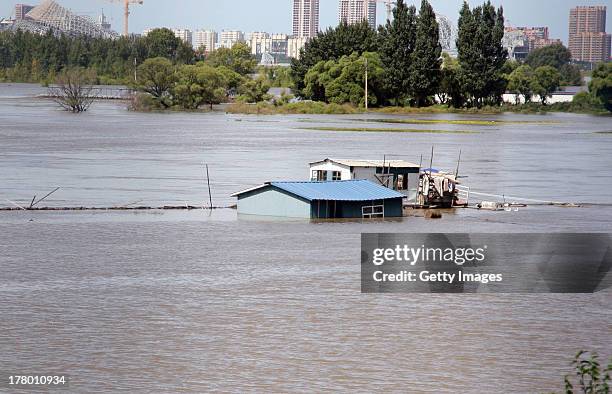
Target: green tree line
[
  {"x": 403, "y": 58},
  {"x": 226, "y": 73},
  {"x": 28, "y": 57},
  {"x": 407, "y": 67},
  {"x": 410, "y": 56}
]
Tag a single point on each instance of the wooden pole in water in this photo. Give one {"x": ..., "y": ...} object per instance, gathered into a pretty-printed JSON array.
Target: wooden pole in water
[
  {"x": 431, "y": 161},
  {"x": 208, "y": 182},
  {"x": 47, "y": 195},
  {"x": 458, "y": 163}
]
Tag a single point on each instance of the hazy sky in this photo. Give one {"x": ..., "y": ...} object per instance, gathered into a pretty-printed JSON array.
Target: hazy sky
[{"x": 274, "y": 16}]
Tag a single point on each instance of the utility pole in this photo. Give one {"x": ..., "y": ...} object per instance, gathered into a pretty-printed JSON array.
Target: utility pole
[{"x": 366, "y": 83}]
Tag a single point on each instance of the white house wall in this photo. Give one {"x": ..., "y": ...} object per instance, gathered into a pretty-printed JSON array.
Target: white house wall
[
  {"x": 554, "y": 98},
  {"x": 272, "y": 202},
  {"x": 368, "y": 173},
  {"x": 329, "y": 167}
]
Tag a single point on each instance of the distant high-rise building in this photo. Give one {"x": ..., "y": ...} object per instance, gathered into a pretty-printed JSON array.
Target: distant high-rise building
[
  {"x": 185, "y": 35},
  {"x": 355, "y": 11},
  {"x": 294, "y": 44},
  {"x": 588, "y": 40},
  {"x": 587, "y": 19},
  {"x": 259, "y": 42},
  {"x": 519, "y": 41},
  {"x": 272, "y": 44},
  {"x": 205, "y": 39},
  {"x": 21, "y": 10},
  {"x": 305, "y": 18},
  {"x": 534, "y": 33},
  {"x": 103, "y": 22},
  {"x": 516, "y": 43},
  {"x": 229, "y": 38}
]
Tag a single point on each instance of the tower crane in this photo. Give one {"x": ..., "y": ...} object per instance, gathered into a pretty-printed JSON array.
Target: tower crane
[
  {"x": 126, "y": 13},
  {"x": 389, "y": 4}
]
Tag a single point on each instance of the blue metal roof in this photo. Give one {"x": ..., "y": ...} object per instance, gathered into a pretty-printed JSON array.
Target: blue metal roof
[{"x": 355, "y": 190}]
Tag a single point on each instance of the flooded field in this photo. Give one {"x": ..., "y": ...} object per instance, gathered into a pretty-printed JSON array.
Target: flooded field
[{"x": 208, "y": 301}]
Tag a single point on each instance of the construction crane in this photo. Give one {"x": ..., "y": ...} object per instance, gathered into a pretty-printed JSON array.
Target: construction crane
[
  {"x": 389, "y": 4},
  {"x": 126, "y": 13}
]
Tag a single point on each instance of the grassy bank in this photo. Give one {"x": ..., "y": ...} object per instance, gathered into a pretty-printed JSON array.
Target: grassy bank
[{"x": 311, "y": 107}]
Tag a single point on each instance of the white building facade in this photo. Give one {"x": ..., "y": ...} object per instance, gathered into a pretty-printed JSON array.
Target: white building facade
[
  {"x": 205, "y": 40},
  {"x": 229, "y": 38},
  {"x": 294, "y": 44},
  {"x": 185, "y": 35}
]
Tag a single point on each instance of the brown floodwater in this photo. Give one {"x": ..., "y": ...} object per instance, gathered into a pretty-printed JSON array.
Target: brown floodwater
[{"x": 209, "y": 301}]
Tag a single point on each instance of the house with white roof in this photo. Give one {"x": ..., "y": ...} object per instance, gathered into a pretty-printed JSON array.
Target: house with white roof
[{"x": 398, "y": 175}]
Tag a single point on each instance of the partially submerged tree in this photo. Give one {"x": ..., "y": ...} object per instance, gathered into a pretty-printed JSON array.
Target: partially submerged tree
[
  {"x": 156, "y": 76},
  {"x": 199, "y": 84},
  {"x": 254, "y": 90},
  {"x": 74, "y": 89}
]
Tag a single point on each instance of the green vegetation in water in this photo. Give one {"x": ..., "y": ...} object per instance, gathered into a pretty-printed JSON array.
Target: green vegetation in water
[
  {"x": 604, "y": 132},
  {"x": 473, "y": 122},
  {"x": 589, "y": 376},
  {"x": 387, "y": 130},
  {"x": 301, "y": 108}
]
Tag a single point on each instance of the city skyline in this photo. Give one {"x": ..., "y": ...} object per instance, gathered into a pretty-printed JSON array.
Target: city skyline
[{"x": 249, "y": 16}]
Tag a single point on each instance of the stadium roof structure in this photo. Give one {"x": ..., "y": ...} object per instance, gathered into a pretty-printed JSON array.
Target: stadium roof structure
[{"x": 49, "y": 15}]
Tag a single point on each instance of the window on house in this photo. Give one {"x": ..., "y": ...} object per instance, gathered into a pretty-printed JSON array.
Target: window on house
[
  {"x": 336, "y": 176},
  {"x": 319, "y": 175},
  {"x": 313, "y": 175},
  {"x": 373, "y": 211}
]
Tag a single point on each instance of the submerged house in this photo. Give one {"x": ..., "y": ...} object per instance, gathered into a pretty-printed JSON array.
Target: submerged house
[
  {"x": 398, "y": 175},
  {"x": 321, "y": 200}
]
